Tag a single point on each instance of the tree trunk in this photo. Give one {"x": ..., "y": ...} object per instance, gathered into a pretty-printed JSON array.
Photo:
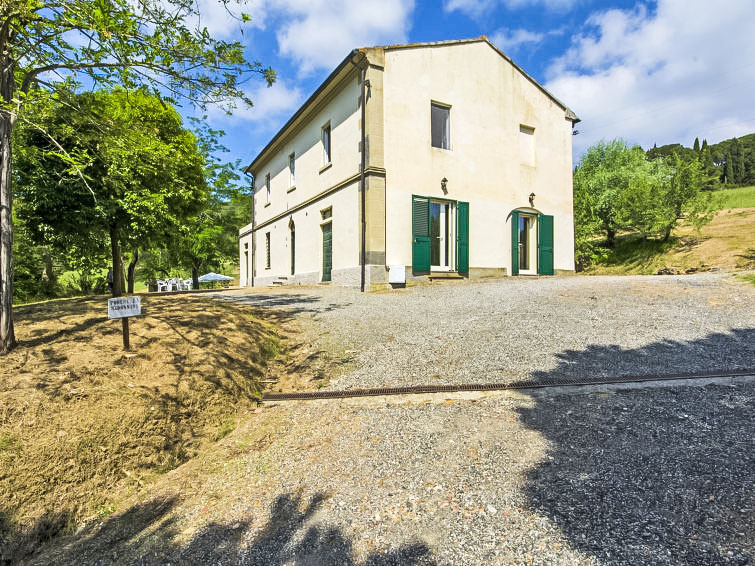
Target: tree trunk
[
  {"x": 48, "y": 273},
  {"x": 610, "y": 237},
  {"x": 194, "y": 276},
  {"x": 667, "y": 233},
  {"x": 7, "y": 335},
  {"x": 132, "y": 269},
  {"x": 115, "y": 249}
]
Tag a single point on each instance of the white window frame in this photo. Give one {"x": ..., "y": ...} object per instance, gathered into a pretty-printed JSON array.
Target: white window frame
[
  {"x": 447, "y": 108},
  {"x": 292, "y": 169},
  {"x": 327, "y": 148}
]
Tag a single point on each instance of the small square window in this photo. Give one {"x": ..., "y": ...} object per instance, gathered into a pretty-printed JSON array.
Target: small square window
[
  {"x": 267, "y": 250},
  {"x": 326, "y": 144},
  {"x": 292, "y": 170},
  {"x": 267, "y": 188},
  {"x": 440, "y": 118},
  {"x": 327, "y": 213}
]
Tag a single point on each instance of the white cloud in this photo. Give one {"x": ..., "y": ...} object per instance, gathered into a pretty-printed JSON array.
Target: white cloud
[
  {"x": 508, "y": 40},
  {"x": 272, "y": 106},
  {"x": 478, "y": 8},
  {"x": 318, "y": 34},
  {"x": 681, "y": 72}
]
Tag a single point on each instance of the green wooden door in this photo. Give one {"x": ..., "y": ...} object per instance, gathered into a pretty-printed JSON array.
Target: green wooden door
[
  {"x": 514, "y": 243},
  {"x": 462, "y": 237},
  {"x": 327, "y": 251},
  {"x": 544, "y": 244},
  {"x": 420, "y": 233}
]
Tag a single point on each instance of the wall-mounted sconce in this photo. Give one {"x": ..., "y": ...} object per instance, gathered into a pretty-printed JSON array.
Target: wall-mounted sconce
[
  {"x": 444, "y": 185},
  {"x": 532, "y": 199}
]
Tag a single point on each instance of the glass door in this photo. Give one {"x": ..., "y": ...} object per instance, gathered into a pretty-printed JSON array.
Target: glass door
[{"x": 441, "y": 236}]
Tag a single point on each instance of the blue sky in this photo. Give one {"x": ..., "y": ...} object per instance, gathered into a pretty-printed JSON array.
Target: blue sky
[{"x": 660, "y": 72}]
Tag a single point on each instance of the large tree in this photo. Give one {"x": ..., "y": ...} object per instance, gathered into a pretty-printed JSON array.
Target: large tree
[
  {"x": 51, "y": 44},
  {"x": 137, "y": 173}
]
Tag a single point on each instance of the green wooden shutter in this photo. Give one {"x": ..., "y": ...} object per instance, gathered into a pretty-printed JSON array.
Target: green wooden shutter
[
  {"x": 420, "y": 233},
  {"x": 544, "y": 244},
  {"x": 514, "y": 243},
  {"x": 462, "y": 237},
  {"x": 327, "y": 251}
]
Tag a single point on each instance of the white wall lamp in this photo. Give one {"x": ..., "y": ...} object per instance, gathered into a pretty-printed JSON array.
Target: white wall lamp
[{"x": 532, "y": 200}]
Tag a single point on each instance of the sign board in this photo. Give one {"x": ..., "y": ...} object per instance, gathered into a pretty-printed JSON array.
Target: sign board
[{"x": 122, "y": 307}]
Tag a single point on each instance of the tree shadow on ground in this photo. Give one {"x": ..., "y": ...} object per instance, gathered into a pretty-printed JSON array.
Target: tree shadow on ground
[
  {"x": 721, "y": 351},
  {"x": 147, "y": 534},
  {"x": 650, "y": 476},
  {"x": 290, "y": 303}
]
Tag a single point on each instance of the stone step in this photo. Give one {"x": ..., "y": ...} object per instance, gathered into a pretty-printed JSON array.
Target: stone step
[{"x": 446, "y": 276}]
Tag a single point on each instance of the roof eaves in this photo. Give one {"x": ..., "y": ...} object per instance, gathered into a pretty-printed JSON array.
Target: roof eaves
[{"x": 303, "y": 108}]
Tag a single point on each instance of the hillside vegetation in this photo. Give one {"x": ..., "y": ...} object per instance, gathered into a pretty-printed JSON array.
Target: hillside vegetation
[{"x": 727, "y": 243}]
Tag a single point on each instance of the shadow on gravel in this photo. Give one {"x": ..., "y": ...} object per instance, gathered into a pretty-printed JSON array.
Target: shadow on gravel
[
  {"x": 146, "y": 534},
  {"x": 292, "y": 303},
  {"x": 720, "y": 351},
  {"x": 653, "y": 476}
]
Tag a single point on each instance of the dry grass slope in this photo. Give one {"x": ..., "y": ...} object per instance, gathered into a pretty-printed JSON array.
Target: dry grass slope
[{"x": 83, "y": 424}]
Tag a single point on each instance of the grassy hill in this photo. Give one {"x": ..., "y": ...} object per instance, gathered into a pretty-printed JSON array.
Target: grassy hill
[{"x": 726, "y": 244}]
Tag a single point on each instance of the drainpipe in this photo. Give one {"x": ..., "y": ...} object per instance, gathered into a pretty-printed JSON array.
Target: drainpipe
[
  {"x": 362, "y": 65},
  {"x": 251, "y": 177}
]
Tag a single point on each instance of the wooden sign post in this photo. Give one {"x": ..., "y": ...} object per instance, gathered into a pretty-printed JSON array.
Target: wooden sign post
[{"x": 123, "y": 308}]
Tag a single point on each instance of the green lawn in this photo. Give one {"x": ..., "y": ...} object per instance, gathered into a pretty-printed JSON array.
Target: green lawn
[{"x": 743, "y": 197}]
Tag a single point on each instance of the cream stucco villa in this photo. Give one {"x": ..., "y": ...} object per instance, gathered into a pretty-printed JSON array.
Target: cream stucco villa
[{"x": 413, "y": 161}]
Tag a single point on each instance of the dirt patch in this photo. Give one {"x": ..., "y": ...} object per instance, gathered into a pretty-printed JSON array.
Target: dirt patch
[{"x": 83, "y": 423}]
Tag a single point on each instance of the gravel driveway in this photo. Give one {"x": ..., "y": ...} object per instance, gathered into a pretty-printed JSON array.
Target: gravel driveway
[
  {"x": 660, "y": 476},
  {"x": 518, "y": 328},
  {"x": 605, "y": 476}
]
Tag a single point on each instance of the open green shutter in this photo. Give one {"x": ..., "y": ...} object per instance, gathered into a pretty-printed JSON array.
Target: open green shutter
[
  {"x": 462, "y": 237},
  {"x": 544, "y": 244},
  {"x": 420, "y": 233},
  {"x": 514, "y": 243}
]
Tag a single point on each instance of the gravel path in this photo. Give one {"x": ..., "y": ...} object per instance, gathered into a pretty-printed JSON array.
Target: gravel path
[
  {"x": 660, "y": 476},
  {"x": 546, "y": 328},
  {"x": 600, "y": 477}
]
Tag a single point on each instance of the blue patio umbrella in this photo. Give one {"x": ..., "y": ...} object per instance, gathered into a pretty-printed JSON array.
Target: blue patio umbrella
[{"x": 211, "y": 276}]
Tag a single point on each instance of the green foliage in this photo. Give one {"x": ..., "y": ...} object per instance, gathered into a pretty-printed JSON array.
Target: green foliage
[
  {"x": 138, "y": 175},
  {"x": 617, "y": 188},
  {"x": 47, "y": 46},
  {"x": 743, "y": 197}
]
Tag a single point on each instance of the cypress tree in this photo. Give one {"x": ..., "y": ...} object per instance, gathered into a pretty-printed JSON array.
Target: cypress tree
[
  {"x": 696, "y": 145},
  {"x": 738, "y": 162},
  {"x": 728, "y": 173},
  {"x": 705, "y": 144}
]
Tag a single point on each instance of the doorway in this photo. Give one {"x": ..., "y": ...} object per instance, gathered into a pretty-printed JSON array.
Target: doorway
[
  {"x": 531, "y": 243},
  {"x": 327, "y": 251},
  {"x": 292, "y": 239},
  {"x": 442, "y": 235}
]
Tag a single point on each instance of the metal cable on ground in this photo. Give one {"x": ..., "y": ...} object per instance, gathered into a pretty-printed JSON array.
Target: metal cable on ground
[{"x": 514, "y": 385}]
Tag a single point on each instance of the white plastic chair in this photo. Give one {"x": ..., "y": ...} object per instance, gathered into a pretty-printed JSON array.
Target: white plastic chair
[{"x": 163, "y": 285}]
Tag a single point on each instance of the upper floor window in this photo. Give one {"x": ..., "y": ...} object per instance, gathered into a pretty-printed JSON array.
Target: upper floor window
[
  {"x": 326, "y": 144},
  {"x": 267, "y": 188},
  {"x": 292, "y": 170},
  {"x": 527, "y": 144},
  {"x": 440, "y": 120}
]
